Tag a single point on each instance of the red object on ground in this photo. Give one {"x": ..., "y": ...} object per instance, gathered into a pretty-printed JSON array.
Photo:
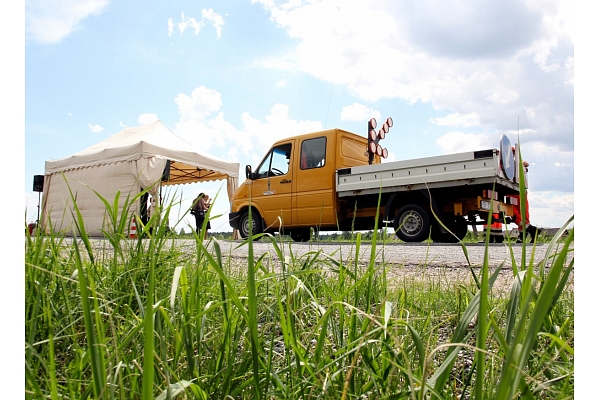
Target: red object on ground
[{"x": 133, "y": 229}]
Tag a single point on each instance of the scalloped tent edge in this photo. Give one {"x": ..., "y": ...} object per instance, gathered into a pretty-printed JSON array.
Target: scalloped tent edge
[{"x": 130, "y": 161}]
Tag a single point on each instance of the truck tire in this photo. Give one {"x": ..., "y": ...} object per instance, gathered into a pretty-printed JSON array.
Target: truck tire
[
  {"x": 245, "y": 231},
  {"x": 412, "y": 223},
  {"x": 300, "y": 235}
]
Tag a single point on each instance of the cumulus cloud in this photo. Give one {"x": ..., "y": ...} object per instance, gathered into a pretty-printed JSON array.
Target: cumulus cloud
[
  {"x": 277, "y": 125},
  {"x": 359, "y": 112},
  {"x": 457, "y": 142},
  {"x": 493, "y": 29},
  {"x": 147, "y": 118},
  {"x": 207, "y": 16},
  {"x": 200, "y": 104},
  {"x": 95, "y": 128},
  {"x": 49, "y": 21},
  {"x": 203, "y": 125},
  {"x": 495, "y": 61},
  {"x": 552, "y": 169},
  {"x": 550, "y": 209}
]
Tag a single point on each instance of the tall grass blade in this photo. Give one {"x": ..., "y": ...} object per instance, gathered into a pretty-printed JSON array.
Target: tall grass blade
[
  {"x": 440, "y": 377},
  {"x": 97, "y": 365},
  {"x": 529, "y": 328},
  {"x": 175, "y": 389},
  {"x": 482, "y": 325},
  {"x": 149, "y": 342}
]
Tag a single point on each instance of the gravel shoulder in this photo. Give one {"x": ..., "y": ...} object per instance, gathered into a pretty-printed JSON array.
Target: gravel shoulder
[{"x": 444, "y": 263}]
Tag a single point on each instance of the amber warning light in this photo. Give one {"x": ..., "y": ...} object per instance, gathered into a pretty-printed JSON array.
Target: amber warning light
[{"x": 373, "y": 146}]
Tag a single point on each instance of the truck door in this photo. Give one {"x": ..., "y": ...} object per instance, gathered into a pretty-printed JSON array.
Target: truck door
[
  {"x": 314, "y": 184},
  {"x": 272, "y": 186}
]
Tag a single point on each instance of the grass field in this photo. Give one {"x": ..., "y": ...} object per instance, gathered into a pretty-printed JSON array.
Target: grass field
[{"x": 141, "y": 319}]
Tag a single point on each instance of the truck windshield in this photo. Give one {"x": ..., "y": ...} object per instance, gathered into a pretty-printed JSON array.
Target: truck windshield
[{"x": 277, "y": 162}]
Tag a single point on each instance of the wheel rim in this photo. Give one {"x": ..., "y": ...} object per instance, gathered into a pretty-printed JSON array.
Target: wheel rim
[
  {"x": 246, "y": 227},
  {"x": 411, "y": 223}
]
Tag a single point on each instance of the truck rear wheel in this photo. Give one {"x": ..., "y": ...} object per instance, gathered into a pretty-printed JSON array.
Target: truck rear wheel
[
  {"x": 300, "y": 235},
  {"x": 412, "y": 223},
  {"x": 244, "y": 225}
]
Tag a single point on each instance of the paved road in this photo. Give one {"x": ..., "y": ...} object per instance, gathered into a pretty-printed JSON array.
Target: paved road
[
  {"x": 408, "y": 254},
  {"x": 405, "y": 254}
]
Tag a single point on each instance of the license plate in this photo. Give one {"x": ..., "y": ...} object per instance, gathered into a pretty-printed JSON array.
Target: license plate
[{"x": 485, "y": 205}]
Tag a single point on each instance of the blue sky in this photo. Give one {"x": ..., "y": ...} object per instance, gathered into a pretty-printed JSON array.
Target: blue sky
[{"x": 231, "y": 77}]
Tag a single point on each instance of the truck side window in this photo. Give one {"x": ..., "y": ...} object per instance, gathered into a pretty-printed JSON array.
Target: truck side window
[
  {"x": 312, "y": 153},
  {"x": 277, "y": 162}
]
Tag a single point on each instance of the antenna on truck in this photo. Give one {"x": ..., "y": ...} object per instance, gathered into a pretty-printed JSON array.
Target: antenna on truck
[{"x": 373, "y": 137}]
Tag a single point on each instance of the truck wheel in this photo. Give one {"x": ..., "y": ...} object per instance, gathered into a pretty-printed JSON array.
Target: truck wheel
[
  {"x": 412, "y": 223},
  {"x": 245, "y": 231},
  {"x": 300, "y": 235}
]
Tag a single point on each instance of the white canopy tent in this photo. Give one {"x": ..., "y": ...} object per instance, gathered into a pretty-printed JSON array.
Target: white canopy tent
[{"x": 130, "y": 161}]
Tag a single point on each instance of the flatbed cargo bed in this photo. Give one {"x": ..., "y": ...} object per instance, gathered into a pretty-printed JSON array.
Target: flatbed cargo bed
[{"x": 468, "y": 168}]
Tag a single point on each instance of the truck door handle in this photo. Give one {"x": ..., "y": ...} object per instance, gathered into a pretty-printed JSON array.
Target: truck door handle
[{"x": 286, "y": 181}]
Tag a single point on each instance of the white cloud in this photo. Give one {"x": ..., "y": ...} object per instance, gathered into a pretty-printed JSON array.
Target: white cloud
[
  {"x": 200, "y": 104},
  {"x": 49, "y": 21},
  {"x": 204, "y": 126},
  {"x": 550, "y": 209},
  {"x": 95, "y": 128},
  {"x": 551, "y": 167},
  {"x": 147, "y": 118},
  {"x": 359, "y": 112},
  {"x": 457, "y": 119},
  {"x": 217, "y": 20},
  {"x": 170, "y": 26},
  {"x": 208, "y": 16},
  {"x": 277, "y": 125},
  {"x": 456, "y": 142},
  {"x": 493, "y": 62},
  {"x": 281, "y": 83}
]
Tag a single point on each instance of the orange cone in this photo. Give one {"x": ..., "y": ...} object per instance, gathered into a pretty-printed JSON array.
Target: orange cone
[{"x": 133, "y": 229}]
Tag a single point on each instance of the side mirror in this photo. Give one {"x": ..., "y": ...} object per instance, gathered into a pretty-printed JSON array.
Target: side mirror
[{"x": 249, "y": 174}]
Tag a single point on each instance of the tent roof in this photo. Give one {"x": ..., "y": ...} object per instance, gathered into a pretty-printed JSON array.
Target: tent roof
[{"x": 154, "y": 139}]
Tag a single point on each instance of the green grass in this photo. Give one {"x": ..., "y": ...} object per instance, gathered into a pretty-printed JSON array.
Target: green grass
[{"x": 145, "y": 318}]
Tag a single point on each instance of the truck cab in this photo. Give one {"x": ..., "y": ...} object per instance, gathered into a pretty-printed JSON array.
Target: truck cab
[{"x": 293, "y": 187}]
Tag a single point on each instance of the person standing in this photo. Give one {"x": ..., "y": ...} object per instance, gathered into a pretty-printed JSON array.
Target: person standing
[
  {"x": 196, "y": 211},
  {"x": 200, "y": 211}
]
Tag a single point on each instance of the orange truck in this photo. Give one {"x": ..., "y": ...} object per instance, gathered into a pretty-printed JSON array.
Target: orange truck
[{"x": 333, "y": 180}]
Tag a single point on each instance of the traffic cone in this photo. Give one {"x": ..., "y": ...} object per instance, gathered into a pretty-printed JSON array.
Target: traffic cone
[{"x": 133, "y": 229}]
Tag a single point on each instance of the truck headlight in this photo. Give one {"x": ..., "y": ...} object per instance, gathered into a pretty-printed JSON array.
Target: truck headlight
[{"x": 485, "y": 205}]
